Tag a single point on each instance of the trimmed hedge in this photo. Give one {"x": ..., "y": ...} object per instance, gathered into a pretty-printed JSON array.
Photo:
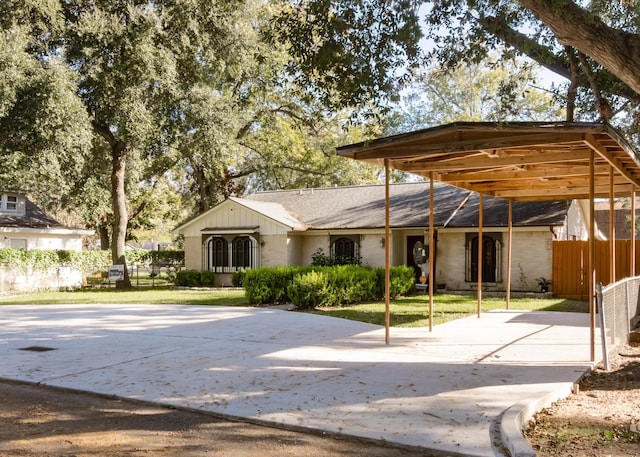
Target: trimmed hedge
[
  {"x": 194, "y": 278},
  {"x": 85, "y": 261},
  {"x": 308, "y": 287}
]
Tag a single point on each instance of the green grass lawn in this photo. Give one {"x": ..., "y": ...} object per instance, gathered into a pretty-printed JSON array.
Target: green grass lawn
[
  {"x": 156, "y": 295},
  {"x": 410, "y": 311},
  {"x": 414, "y": 311}
]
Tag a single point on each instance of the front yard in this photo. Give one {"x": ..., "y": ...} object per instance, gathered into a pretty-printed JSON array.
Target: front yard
[{"x": 412, "y": 311}]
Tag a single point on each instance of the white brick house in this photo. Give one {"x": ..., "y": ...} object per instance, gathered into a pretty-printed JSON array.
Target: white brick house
[{"x": 288, "y": 227}]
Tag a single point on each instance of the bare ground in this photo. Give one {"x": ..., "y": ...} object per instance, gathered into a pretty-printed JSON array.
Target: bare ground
[
  {"x": 38, "y": 421},
  {"x": 602, "y": 419}
]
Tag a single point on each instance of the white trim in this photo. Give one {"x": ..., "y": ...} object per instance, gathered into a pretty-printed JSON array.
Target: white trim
[{"x": 47, "y": 231}]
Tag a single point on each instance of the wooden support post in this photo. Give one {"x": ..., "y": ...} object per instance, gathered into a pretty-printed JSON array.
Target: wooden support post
[
  {"x": 509, "y": 239},
  {"x": 591, "y": 259},
  {"x": 387, "y": 254},
  {"x": 432, "y": 250},
  {"x": 632, "y": 255},
  {"x": 480, "y": 221},
  {"x": 612, "y": 229}
]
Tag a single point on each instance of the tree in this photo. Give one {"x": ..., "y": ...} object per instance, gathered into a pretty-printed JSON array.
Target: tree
[
  {"x": 131, "y": 63},
  {"x": 592, "y": 47},
  {"x": 350, "y": 53},
  {"x": 498, "y": 92},
  {"x": 45, "y": 135}
]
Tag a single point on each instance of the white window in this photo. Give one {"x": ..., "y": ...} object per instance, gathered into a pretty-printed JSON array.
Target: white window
[{"x": 9, "y": 202}]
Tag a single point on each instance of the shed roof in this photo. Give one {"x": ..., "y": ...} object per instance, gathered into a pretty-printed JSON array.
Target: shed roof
[{"x": 517, "y": 160}]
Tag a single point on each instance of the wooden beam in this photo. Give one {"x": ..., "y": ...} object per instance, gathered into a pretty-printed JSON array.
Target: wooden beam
[
  {"x": 555, "y": 194},
  {"x": 542, "y": 183},
  {"x": 522, "y": 173},
  {"x": 486, "y": 163},
  {"x": 403, "y": 146},
  {"x": 597, "y": 146}
]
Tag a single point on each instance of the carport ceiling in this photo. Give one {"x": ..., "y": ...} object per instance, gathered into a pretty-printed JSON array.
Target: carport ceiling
[{"x": 519, "y": 160}]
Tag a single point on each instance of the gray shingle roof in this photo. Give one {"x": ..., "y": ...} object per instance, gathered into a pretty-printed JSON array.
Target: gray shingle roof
[
  {"x": 34, "y": 217},
  {"x": 363, "y": 207}
]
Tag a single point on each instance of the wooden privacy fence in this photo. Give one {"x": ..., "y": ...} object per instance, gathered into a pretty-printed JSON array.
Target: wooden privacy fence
[{"x": 569, "y": 274}]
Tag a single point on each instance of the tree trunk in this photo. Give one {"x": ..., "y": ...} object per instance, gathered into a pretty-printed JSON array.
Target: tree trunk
[
  {"x": 616, "y": 50},
  {"x": 103, "y": 231},
  {"x": 118, "y": 201}
]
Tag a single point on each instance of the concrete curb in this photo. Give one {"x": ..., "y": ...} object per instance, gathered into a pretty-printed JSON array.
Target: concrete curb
[{"x": 516, "y": 417}]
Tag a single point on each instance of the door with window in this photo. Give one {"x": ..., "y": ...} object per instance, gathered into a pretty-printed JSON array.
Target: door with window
[{"x": 491, "y": 257}]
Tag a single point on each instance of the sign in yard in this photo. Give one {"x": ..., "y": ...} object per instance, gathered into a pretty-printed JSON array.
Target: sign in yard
[{"x": 116, "y": 272}]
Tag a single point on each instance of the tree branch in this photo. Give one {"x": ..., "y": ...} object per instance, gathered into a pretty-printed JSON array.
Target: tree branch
[
  {"x": 500, "y": 28},
  {"x": 616, "y": 50}
]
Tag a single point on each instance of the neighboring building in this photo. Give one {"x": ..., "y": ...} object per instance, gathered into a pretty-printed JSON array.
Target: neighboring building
[
  {"x": 25, "y": 226},
  {"x": 622, "y": 218},
  {"x": 288, "y": 227}
]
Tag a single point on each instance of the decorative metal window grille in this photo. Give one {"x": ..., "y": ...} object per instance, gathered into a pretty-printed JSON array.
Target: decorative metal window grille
[
  {"x": 242, "y": 252},
  {"x": 217, "y": 254},
  {"x": 224, "y": 256},
  {"x": 491, "y": 257},
  {"x": 345, "y": 250}
]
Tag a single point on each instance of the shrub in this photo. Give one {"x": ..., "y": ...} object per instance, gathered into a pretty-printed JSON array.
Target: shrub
[
  {"x": 268, "y": 284},
  {"x": 206, "y": 278},
  {"x": 237, "y": 278},
  {"x": 194, "y": 278},
  {"x": 403, "y": 281},
  {"x": 351, "y": 284},
  {"x": 187, "y": 278},
  {"x": 310, "y": 289}
]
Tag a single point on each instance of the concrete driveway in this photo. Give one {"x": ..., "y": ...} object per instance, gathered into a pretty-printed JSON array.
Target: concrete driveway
[{"x": 446, "y": 391}]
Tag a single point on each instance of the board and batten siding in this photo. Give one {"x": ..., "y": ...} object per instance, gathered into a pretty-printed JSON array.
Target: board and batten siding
[{"x": 229, "y": 215}]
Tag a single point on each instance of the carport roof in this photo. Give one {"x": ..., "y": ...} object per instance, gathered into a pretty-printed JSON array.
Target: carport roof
[{"x": 516, "y": 160}]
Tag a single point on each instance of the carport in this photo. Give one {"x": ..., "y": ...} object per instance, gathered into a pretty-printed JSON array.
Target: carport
[{"x": 516, "y": 161}]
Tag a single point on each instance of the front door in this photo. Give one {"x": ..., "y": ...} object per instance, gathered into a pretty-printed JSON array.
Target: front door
[{"x": 411, "y": 242}]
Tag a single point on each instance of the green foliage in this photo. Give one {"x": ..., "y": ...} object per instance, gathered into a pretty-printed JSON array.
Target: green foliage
[
  {"x": 309, "y": 290},
  {"x": 308, "y": 287},
  {"x": 320, "y": 259},
  {"x": 237, "y": 278},
  {"x": 269, "y": 285},
  {"x": 351, "y": 284},
  {"x": 333, "y": 45},
  {"x": 85, "y": 261},
  {"x": 194, "y": 278},
  {"x": 402, "y": 281}
]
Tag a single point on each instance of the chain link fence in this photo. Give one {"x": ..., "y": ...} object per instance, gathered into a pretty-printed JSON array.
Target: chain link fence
[{"x": 619, "y": 313}]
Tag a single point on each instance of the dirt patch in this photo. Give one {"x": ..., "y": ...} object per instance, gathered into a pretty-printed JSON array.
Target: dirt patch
[
  {"x": 39, "y": 421},
  {"x": 602, "y": 419}
]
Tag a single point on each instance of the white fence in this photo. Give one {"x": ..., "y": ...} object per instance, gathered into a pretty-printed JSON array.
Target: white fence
[{"x": 17, "y": 280}]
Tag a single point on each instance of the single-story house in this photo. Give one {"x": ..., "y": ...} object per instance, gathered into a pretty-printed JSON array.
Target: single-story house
[
  {"x": 23, "y": 225},
  {"x": 288, "y": 227}
]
